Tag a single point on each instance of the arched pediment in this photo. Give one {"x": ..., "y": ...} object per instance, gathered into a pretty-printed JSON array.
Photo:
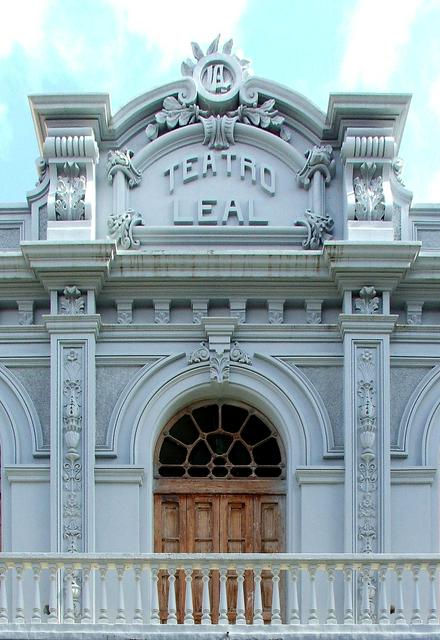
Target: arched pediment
[{"x": 280, "y": 392}]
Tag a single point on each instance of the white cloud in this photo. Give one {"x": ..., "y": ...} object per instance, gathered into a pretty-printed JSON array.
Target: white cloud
[
  {"x": 377, "y": 32},
  {"x": 432, "y": 192},
  {"x": 434, "y": 97},
  {"x": 171, "y": 25},
  {"x": 22, "y": 24},
  {"x": 5, "y": 130}
]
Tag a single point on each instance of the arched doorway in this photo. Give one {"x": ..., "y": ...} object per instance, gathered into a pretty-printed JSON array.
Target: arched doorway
[{"x": 219, "y": 488}]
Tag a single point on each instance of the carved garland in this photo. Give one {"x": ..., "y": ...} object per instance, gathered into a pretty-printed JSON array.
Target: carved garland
[
  {"x": 72, "y": 466},
  {"x": 367, "y": 465}
]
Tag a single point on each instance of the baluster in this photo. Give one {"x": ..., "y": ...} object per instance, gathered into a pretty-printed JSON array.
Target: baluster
[
  {"x": 348, "y": 595},
  {"x": 155, "y": 617},
  {"x": 68, "y": 591},
  {"x": 433, "y": 615},
  {"x": 120, "y": 616},
  {"x": 206, "y": 606},
  {"x": 103, "y": 609},
  {"x": 223, "y": 603},
  {"x": 294, "y": 613},
  {"x": 3, "y": 595},
  {"x": 384, "y": 610},
  {"x": 172, "y": 608},
  {"x": 138, "y": 613},
  {"x": 258, "y": 603},
  {"x": 36, "y": 609},
  {"x": 68, "y": 608},
  {"x": 86, "y": 615},
  {"x": 415, "y": 618},
  {"x": 365, "y": 596},
  {"x": 189, "y": 608},
  {"x": 19, "y": 610},
  {"x": 276, "y": 607},
  {"x": 53, "y": 601},
  {"x": 313, "y": 614},
  {"x": 331, "y": 614},
  {"x": 400, "y": 612}
]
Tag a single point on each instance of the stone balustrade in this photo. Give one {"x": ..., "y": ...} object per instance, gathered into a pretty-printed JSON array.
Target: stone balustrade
[{"x": 219, "y": 589}]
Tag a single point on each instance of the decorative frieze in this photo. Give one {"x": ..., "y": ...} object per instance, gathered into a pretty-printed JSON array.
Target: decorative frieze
[
  {"x": 275, "y": 310},
  {"x": 200, "y": 310},
  {"x": 161, "y": 311},
  {"x": 25, "y": 312},
  {"x": 120, "y": 228},
  {"x": 313, "y": 311},
  {"x": 238, "y": 310},
  {"x": 368, "y": 301},
  {"x": 124, "y": 311},
  {"x": 121, "y": 160},
  {"x": 414, "y": 313},
  {"x": 72, "y": 302}
]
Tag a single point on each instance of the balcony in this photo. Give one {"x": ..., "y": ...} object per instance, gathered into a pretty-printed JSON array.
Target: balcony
[{"x": 225, "y": 594}]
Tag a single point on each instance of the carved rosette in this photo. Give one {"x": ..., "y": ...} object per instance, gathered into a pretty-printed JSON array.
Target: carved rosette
[
  {"x": 72, "y": 450},
  {"x": 367, "y": 456}
]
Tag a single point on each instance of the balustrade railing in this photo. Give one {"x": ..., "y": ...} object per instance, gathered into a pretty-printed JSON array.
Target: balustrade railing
[{"x": 218, "y": 589}]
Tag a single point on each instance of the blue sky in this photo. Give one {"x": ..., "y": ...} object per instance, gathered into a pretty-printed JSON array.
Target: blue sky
[{"x": 125, "y": 47}]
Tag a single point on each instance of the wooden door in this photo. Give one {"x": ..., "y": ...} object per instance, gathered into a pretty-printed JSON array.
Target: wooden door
[{"x": 225, "y": 523}]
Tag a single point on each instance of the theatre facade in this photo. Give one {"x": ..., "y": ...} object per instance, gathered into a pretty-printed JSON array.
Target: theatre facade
[{"x": 219, "y": 367}]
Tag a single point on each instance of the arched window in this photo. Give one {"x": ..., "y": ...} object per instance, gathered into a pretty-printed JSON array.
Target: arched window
[{"x": 219, "y": 440}]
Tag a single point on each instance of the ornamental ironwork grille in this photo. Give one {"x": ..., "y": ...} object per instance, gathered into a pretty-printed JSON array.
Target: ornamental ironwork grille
[{"x": 219, "y": 440}]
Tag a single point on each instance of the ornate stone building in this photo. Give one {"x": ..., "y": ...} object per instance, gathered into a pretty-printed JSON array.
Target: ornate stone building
[{"x": 220, "y": 337}]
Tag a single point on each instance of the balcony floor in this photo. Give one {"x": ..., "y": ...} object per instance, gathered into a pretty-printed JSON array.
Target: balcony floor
[{"x": 247, "y": 632}]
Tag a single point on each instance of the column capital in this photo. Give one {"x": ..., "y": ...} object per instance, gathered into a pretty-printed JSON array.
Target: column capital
[
  {"x": 76, "y": 325},
  {"x": 372, "y": 324}
]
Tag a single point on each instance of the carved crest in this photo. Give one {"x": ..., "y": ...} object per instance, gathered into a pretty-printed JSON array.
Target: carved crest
[{"x": 218, "y": 78}]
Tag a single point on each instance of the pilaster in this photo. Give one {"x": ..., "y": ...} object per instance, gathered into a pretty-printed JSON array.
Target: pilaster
[
  {"x": 367, "y": 431},
  {"x": 72, "y": 430}
]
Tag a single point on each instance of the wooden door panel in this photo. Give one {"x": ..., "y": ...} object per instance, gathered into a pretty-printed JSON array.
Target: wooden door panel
[
  {"x": 203, "y": 537},
  {"x": 170, "y": 537},
  {"x": 236, "y": 536},
  {"x": 212, "y": 523},
  {"x": 269, "y": 538}
]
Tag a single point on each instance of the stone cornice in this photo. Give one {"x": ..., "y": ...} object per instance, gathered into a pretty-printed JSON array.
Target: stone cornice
[
  {"x": 77, "y": 324},
  {"x": 57, "y": 264},
  {"x": 367, "y": 324},
  {"x": 379, "y": 264},
  {"x": 386, "y": 110}
]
